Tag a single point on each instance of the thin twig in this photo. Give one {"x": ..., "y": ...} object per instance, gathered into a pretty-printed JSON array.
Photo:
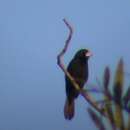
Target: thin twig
[{"x": 86, "y": 96}]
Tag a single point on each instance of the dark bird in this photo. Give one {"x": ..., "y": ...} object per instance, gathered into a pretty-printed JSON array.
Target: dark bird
[{"x": 78, "y": 68}]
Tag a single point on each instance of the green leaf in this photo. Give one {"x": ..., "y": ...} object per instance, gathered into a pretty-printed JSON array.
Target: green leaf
[
  {"x": 108, "y": 97},
  {"x": 96, "y": 119},
  {"x": 118, "y": 82},
  {"x": 106, "y": 77},
  {"x": 118, "y": 88}
]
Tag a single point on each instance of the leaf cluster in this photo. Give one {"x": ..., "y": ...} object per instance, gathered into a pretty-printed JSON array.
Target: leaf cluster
[{"x": 115, "y": 104}]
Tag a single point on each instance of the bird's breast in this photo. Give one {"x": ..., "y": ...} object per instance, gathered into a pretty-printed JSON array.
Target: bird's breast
[{"x": 81, "y": 75}]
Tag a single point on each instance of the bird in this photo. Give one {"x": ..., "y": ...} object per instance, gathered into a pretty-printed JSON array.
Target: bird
[{"x": 78, "y": 69}]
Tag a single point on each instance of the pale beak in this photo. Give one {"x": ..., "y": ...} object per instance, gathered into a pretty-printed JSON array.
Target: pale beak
[{"x": 88, "y": 54}]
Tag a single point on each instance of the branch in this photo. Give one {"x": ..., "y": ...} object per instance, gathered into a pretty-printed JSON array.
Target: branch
[{"x": 86, "y": 96}]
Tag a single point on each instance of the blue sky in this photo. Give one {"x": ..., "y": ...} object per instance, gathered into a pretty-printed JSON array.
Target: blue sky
[{"x": 31, "y": 35}]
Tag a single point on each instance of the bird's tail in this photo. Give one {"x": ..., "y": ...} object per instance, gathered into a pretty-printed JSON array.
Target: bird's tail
[{"x": 69, "y": 109}]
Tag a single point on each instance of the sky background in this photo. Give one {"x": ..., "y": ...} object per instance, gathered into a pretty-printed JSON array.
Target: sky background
[{"x": 32, "y": 87}]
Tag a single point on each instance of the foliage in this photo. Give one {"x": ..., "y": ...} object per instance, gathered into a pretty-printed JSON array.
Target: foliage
[{"x": 115, "y": 104}]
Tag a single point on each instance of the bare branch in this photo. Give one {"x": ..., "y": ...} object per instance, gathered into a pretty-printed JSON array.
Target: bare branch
[
  {"x": 86, "y": 95},
  {"x": 60, "y": 55}
]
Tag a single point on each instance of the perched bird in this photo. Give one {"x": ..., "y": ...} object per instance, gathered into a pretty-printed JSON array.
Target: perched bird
[{"x": 78, "y": 68}]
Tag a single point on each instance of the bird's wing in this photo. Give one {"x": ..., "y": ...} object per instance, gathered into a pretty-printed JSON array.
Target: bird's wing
[{"x": 77, "y": 71}]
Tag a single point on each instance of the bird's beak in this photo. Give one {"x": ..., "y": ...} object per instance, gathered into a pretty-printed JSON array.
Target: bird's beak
[{"x": 88, "y": 54}]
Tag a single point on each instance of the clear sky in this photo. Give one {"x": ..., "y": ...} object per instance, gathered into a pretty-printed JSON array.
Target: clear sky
[{"x": 31, "y": 35}]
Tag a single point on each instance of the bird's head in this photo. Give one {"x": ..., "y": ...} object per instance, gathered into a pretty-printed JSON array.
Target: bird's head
[{"x": 83, "y": 54}]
